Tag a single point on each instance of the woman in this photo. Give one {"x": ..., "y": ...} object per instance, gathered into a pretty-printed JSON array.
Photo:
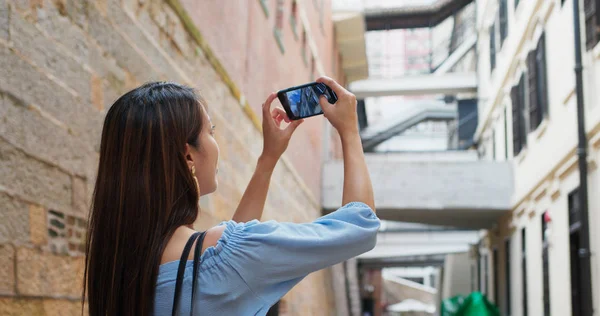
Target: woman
[{"x": 157, "y": 157}]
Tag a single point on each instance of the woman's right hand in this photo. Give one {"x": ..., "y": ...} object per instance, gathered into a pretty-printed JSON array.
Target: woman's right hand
[{"x": 342, "y": 115}]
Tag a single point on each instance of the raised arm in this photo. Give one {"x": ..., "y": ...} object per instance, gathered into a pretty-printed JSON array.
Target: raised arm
[
  {"x": 275, "y": 142},
  {"x": 342, "y": 115}
]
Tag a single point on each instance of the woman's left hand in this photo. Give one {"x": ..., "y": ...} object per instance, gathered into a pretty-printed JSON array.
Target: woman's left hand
[{"x": 276, "y": 139}]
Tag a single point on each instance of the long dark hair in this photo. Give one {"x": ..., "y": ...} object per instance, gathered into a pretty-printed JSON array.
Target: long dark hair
[{"x": 144, "y": 191}]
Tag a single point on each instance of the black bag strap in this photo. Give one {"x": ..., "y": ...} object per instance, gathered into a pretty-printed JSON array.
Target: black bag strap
[
  {"x": 197, "y": 253},
  {"x": 181, "y": 269}
]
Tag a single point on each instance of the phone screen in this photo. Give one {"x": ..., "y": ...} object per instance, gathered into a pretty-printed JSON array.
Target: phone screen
[{"x": 303, "y": 101}]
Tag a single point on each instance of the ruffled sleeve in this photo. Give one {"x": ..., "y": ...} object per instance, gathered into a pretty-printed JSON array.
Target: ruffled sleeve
[{"x": 272, "y": 257}]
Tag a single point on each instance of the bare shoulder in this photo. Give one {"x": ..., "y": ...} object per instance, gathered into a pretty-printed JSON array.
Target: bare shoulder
[
  {"x": 212, "y": 236},
  {"x": 177, "y": 242}
]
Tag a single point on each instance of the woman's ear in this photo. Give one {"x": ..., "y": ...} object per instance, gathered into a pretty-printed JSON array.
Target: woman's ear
[{"x": 188, "y": 156}]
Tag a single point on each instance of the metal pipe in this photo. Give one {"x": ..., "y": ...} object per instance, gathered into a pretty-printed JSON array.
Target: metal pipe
[{"x": 584, "y": 249}]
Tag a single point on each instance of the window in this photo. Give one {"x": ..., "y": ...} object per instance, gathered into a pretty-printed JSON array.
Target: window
[
  {"x": 503, "y": 21},
  {"x": 592, "y": 23},
  {"x": 538, "y": 95},
  {"x": 517, "y": 96},
  {"x": 492, "y": 47},
  {"x": 578, "y": 275},
  {"x": 278, "y": 32},
  {"x": 294, "y": 18},
  {"x": 545, "y": 268},
  {"x": 507, "y": 288},
  {"x": 524, "y": 269},
  {"x": 496, "y": 285}
]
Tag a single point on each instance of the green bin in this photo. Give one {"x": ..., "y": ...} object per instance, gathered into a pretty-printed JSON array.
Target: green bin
[{"x": 474, "y": 304}]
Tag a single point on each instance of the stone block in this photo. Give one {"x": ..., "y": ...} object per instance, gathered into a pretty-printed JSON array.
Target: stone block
[
  {"x": 145, "y": 45},
  {"x": 4, "y": 20},
  {"x": 97, "y": 93},
  {"x": 81, "y": 204},
  {"x": 14, "y": 226},
  {"x": 21, "y": 306},
  {"x": 60, "y": 28},
  {"x": 24, "y": 83},
  {"x": 54, "y": 307},
  {"x": 7, "y": 270},
  {"x": 40, "y": 137},
  {"x": 44, "y": 53},
  {"x": 30, "y": 178},
  {"x": 43, "y": 274},
  {"x": 119, "y": 47},
  {"x": 38, "y": 226}
]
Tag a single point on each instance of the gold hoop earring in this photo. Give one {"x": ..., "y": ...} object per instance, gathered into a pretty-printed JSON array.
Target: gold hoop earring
[{"x": 196, "y": 180}]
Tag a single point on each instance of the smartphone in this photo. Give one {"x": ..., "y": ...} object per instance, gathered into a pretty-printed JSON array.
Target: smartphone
[{"x": 303, "y": 101}]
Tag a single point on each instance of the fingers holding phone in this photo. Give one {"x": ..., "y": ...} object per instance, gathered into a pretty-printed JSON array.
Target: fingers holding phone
[
  {"x": 342, "y": 115},
  {"x": 275, "y": 139}
]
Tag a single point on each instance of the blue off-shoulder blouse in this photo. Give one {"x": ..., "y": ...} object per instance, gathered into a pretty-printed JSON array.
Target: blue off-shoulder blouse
[{"x": 255, "y": 263}]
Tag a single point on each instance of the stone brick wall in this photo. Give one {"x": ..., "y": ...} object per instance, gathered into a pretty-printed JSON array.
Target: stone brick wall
[{"x": 62, "y": 64}]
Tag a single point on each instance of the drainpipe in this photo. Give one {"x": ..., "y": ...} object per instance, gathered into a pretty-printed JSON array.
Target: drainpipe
[{"x": 584, "y": 250}]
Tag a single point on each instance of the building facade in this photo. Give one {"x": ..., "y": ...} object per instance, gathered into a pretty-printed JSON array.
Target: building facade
[
  {"x": 529, "y": 262},
  {"x": 63, "y": 63}
]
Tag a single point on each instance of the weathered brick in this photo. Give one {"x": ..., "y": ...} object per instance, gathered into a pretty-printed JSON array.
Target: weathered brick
[
  {"x": 39, "y": 137},
  {"x": 13, "y": 220},
  {"x": 53, "y": 307},
  {"x": 7, "y": 270},
  {"x": 29, "y": 86},
  {"x": 4, "y": 20},
  {"x": 21, "y": 306},
  {"x": 105, "y": 66},
  {"x": 97, "y": 93},
  {"x": 61, "y": 29},
  {"x": 145, "y": 44},
  {"x": 81, "y": 203},
  {"x": 28, "y": 40},
  {"x": 38, "y": 226},
  {"x": 119, "y": 47},
  {"x": 33, "y": 179},
  {"x": 43, "y": 274},
  {"x": 77, "y": 12}
]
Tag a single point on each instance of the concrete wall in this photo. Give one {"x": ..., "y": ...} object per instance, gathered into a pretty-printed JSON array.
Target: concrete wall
[
  {"x": 545, "y": 172},
  {"x": 63, "y": 63},
  {"x": 427, "y": 188},
  {"x": 456, "y": 276}
]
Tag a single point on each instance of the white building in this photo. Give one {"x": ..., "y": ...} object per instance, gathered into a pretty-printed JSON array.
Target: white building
[{"x": 526, "y": 61}]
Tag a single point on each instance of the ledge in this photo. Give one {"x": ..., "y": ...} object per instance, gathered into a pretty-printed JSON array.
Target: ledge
[
  {"x": 277, "y": 34},
  {"x": 541, "y": 129},
  {"x": 521, "y": 155},
  {"x": 294, "y": 27},
  {"x": 265, "y": 7},
  {"x": 568, "y": 96}
]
